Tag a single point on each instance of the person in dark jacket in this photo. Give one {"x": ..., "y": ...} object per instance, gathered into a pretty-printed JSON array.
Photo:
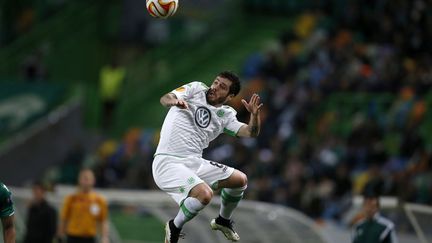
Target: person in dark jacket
[
  {"x": 41, "y": 218},
  {"x": 373, "y": 228}
]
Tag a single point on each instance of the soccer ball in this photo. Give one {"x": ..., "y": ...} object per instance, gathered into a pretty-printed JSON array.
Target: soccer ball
[{"x": 161, "y": 8}]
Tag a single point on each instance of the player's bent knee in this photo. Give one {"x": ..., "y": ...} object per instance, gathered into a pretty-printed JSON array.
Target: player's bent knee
[
  {"x": 237, "y": 180},
  {"x": 205, "y": 196},
  {"x": 203, "y": 193},
  {"x": 243, "y": 179}
]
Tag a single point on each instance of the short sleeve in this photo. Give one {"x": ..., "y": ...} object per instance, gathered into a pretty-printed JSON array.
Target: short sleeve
[
  {"x": 6, "y": 203},
  {"x": 65, "y": 211},
  {"x": 233, "y": 125},
  {"x": 186, "y": 91},
  {"x": 104, "y": 209}
]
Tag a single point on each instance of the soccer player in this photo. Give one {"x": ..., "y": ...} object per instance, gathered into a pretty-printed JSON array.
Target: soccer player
[
  {"x": 7, "y": 214},
  {"x": 374, "y": 228},
  {"x": 83, "y": 212},
  {"x": 197, "y": 115}
]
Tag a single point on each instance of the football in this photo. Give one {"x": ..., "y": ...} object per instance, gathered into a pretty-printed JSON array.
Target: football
[{"x": 161, "y": 8}]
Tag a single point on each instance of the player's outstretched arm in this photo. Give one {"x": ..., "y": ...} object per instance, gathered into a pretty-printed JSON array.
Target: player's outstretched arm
[
  {"x": 170, "y": 99},
  {"x": 253, "y": 107},
  {"x": 8, "y": 229}
]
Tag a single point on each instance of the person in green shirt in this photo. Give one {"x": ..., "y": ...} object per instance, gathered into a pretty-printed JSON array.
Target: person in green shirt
[
  {"x": 7, "y": 214},
  {"x": 373, "y": 228}
]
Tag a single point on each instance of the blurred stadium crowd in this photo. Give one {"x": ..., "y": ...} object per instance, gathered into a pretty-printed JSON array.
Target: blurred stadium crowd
[
  {"x": 22, "y": 16},
  {"x": 346, "y": 99}
]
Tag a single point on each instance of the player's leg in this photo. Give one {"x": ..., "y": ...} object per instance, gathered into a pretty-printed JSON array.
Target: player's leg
[
  {"x": 198, "y": 198},
  {"x": 232, "y": 192},
  {"x": 176, "y": 176},
  {"x": 233, "y": 183}
]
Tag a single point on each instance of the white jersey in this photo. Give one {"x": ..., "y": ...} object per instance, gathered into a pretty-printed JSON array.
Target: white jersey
[{"x": 187, "y": 132}]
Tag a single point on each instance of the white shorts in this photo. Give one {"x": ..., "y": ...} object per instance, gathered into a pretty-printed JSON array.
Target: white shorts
[{"x": 177, "y": 176}]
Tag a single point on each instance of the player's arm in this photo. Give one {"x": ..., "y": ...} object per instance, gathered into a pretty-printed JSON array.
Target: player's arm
[
  {"x": 252, "y": 129},
  {"x": 105, "y": 231},
  {"x": 170, "y": 99},
  {"x": 104, "y": 223},
  {"x": 61, "y": 232},
  {"x": 8, "y": 229}
]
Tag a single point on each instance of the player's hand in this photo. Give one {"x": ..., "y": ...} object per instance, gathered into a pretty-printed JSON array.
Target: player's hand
[
  {"x": 182, "y": 104},
  {"x": 254, "y": 104},
  {"x": 105, "y": 239}
]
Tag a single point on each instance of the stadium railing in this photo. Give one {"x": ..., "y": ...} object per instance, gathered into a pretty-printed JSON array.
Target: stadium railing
[
  {"x": 420, "y": 217},
  {"x": 138, "y": 216}
]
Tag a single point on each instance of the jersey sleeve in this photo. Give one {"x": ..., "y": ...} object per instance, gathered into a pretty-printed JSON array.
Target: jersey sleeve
[
  {"x": 104, "y": 209},
  {"x": 65, "y": 211},
  {"x": 232, "y": 125},
  {"x": 389, "y": 235},
  {"x": 6, "y": 203},
  {"x": 186, "y": 91}
]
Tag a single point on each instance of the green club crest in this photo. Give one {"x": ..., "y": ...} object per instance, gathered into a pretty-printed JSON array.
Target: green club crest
[
  {"x": 191, "y": 180},
  {"x": 220, "y": 113}
]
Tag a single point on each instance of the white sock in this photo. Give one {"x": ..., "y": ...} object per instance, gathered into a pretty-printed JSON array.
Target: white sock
[
  {"x": 188, "y": 210},
  {"x": 230, "y": 199}
]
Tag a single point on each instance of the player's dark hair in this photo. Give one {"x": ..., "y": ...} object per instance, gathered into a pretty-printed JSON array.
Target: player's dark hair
[{"x": 235, "y": 81}]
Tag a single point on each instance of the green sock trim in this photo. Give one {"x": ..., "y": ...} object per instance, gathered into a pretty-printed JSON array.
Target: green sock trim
[
  {"x": 187, "y": 213},
  {"x": 215, "y": 185},
  {"x": 227, "y": 198}
]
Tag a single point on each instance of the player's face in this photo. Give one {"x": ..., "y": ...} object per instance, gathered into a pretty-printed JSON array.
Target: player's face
[
  {"x": 370, "y": 207},
  {"x": 86, "y": 180},
  {"x": 38, "y": 193},
  {"x": 218, "y": 92}
]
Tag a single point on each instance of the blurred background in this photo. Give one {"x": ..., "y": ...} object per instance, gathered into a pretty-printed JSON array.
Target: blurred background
[{"x": 346, "y": 87}]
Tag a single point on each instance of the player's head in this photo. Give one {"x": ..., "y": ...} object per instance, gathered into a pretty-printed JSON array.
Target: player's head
[
  {"x": 38, "y": 189},
  {"x": 225, "y": 86},
  {"x": 370, "y": 205},
  {"x": 86, "y": 180}
]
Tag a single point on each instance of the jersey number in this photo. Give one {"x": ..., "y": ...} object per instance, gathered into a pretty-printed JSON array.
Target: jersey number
[{"x": 216, "y": 164}]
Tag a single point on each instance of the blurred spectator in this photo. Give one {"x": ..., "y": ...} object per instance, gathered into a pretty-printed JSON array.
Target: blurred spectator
[
  {"x": 41, "y": 223},
  {"x": 33, "y": 68},
  {"x": 126, "y": 163},
  {"x": 111, "y": 80},
  {"x": 19, "y": 17},
  {"x": 373, "y": 227},
  {"x": 84, "y": 213},
  {"x": 25, "y": 20}
]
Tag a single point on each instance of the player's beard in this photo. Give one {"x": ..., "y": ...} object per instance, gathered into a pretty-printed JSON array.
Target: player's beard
[{"x": 216, "y": 101}]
